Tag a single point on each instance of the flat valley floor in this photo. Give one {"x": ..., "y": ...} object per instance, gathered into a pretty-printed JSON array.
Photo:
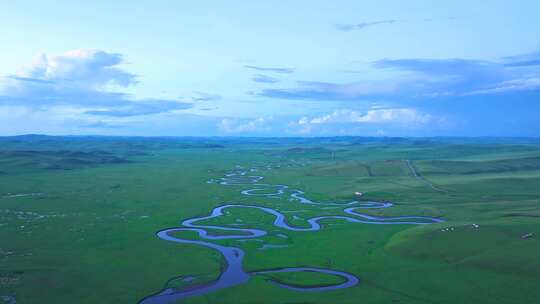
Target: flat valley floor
[{"x": 330, "y": 220}]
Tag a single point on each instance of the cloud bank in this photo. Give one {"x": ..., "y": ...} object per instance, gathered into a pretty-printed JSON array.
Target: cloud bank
[
  {"x": 420, "y": 78},
  {"x": 403, "y": 116},
  {"x": 87, "y": 80},
  {"x": 246, "y": 126}
]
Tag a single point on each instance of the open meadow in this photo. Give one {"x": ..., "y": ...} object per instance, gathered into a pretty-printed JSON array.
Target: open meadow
[{"x": 431, "y": 220}]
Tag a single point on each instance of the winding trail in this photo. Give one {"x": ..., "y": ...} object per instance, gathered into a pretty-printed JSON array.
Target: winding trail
[
  {"x": 417, "y": 175},
  {"x": 233, "y": 273}
]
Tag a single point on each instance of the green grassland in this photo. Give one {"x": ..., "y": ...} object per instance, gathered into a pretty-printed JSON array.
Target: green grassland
[{"x": 78, "y": 217}]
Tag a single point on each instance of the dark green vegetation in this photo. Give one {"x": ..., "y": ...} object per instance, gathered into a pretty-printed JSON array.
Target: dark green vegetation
[{"x": 78, "y": 217}]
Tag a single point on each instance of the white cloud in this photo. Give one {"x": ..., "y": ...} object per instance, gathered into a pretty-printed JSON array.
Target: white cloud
[
  {"x": 260, "y": 124},
  {"x": 80, "y": 78},
  {"x": 510, "y": 86},
  {"x": 405, "y": 116},
  {"x": 73, "y": 70},
  {"x": 376, "y": 121}
]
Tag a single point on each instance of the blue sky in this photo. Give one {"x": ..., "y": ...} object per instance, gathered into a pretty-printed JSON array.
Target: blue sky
[{"x": 270, "y": 68}]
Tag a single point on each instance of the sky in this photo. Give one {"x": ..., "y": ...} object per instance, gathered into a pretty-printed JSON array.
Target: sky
[{"x": 270, "y": 68}]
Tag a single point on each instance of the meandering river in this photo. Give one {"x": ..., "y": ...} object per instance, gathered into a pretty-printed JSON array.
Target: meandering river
[{"x": 233, "y": 273}]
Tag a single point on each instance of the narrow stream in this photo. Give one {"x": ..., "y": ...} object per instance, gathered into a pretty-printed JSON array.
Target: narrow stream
[{"x": 233, "y": 273}]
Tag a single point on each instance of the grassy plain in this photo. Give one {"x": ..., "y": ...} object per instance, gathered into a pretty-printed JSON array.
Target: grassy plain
[{"x": 78, "y": 217}]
